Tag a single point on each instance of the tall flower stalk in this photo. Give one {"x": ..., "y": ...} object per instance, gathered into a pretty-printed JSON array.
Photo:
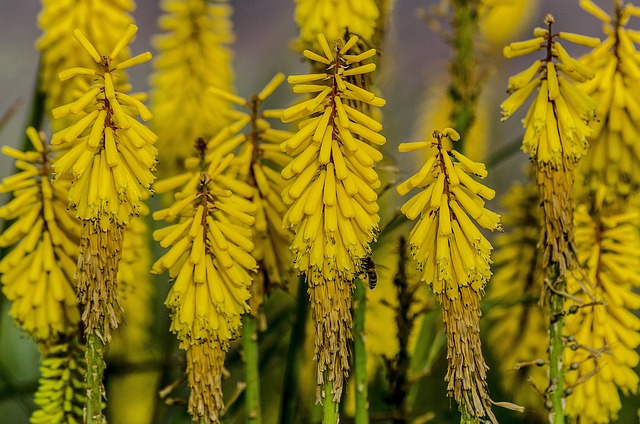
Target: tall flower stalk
[
  {"x": 210, "y": 265},
  {"x": 453, "y": 256},
  {"x": 332, "y": 201},
  {"x": 556, "y": 129},
  {"x": 110, "y": 156}
]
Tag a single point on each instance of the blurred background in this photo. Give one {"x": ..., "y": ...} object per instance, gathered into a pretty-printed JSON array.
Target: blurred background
[{"x": 413, "y": 80}]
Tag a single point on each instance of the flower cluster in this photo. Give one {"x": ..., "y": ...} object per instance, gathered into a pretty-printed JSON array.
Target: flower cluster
[
  {"x": 37, "y": 275},
  {"x": 334, "y": 17},
  {"x": 258, "y": 163},
  {"x": 195, "y": 50},
  {"x": 603, "y": 330},
  {"x": 331, "y": 193},
  {"x": 614, "y": 138},
  {"x": 209, "y": 261},
  {"x": 61, "y": 388},
  {"x": 556, "y": 130},
  {"x": 102, "y": 20},
  {"x": 453, "y": 256},
  {"x": 110, "y": 156}
]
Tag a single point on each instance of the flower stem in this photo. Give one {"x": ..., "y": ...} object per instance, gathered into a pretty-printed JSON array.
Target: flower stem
[
  {"x": 463, "y": 89},
  {"x": 329, "y": 405},
  {"x": 360, "y": 353},
  {"x": 291, "y": 389},
  {"x": 95, "y": 373},
  {"x": 556, "y": 349},
  {"x": 251, "y": 366}
]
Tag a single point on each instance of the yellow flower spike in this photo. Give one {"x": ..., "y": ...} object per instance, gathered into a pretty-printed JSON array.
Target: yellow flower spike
[
  {"x": 61, "y": 390},
  {"x": 271, "y": 86},
  {"x": 45, "y": 240},
  {"x": 333, "y": 18},
  {"x": 556, "y": 139},
  {"x": 331, "y": 195},
  {"x": 456, "y": 269},
  {"x": 612, "y": 351},
  {"x": 196, "y": 34},
  {"x": 610, "y": 164}
]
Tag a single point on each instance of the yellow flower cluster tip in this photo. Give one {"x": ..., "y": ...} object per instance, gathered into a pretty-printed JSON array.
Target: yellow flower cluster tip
[
  {"x": 109, "y": 153},
  {"x": 448, "y": 246},
  {"x": 615, "y": 152},
  {"x": 603, "y": 330},
  {"x": 557, "y": 123},
  {"x": 37, "y": 274},
  {"x": 209, "y": 259}
]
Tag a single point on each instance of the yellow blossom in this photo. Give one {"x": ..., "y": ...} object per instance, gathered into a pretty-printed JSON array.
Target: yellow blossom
[
  {"x": 453, "y": 256},
  {"x": 37, "y": 274},
  {"x": 110, "y": 156},
  {"x": 195, "y": 49},
  {"x": 210, "y": 265},
  {"x": 61, "y": 388},
  {"x": 556, "y": 129},
  {"x": 616, "y": 65},
  {"x": 333, "y": 18},
  {"x": 603, "y": 331},
  {"x": 331, "y": 194}
]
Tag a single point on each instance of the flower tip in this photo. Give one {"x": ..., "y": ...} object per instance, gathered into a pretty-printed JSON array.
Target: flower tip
[{"x": 451, "y": 133}]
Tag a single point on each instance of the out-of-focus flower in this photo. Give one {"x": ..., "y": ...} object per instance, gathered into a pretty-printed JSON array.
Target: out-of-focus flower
[
  {"x": 500, "y": 21},
  {"x": 614, "y": 141},
  {"x": 453, "y": 256},
  {"x": 37, "y": 274},
  {"x": 331, "y": 194},
  {"x": 602, "y": 329},
  {"x": 194, "y": 55},
  {"x": 333, "y": 18},
  {"x": 110, "y": 156},
  {"x": 516, "y": 330},
  {"x": 102, "y": 21},
  {"x": 61, "y": 390}
]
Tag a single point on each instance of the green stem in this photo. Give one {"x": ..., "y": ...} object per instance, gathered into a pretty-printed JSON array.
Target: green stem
[
  {"x": 556, "y": 349},
  {"x": 291, "y": 389},
  {"x": 360, "y": 353},
  {"x": 329, "y": 406},
  {"x": 464, "y": 88},
  {"x": 251, "y": 366},
  {"x": 95, "y": 373}
]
